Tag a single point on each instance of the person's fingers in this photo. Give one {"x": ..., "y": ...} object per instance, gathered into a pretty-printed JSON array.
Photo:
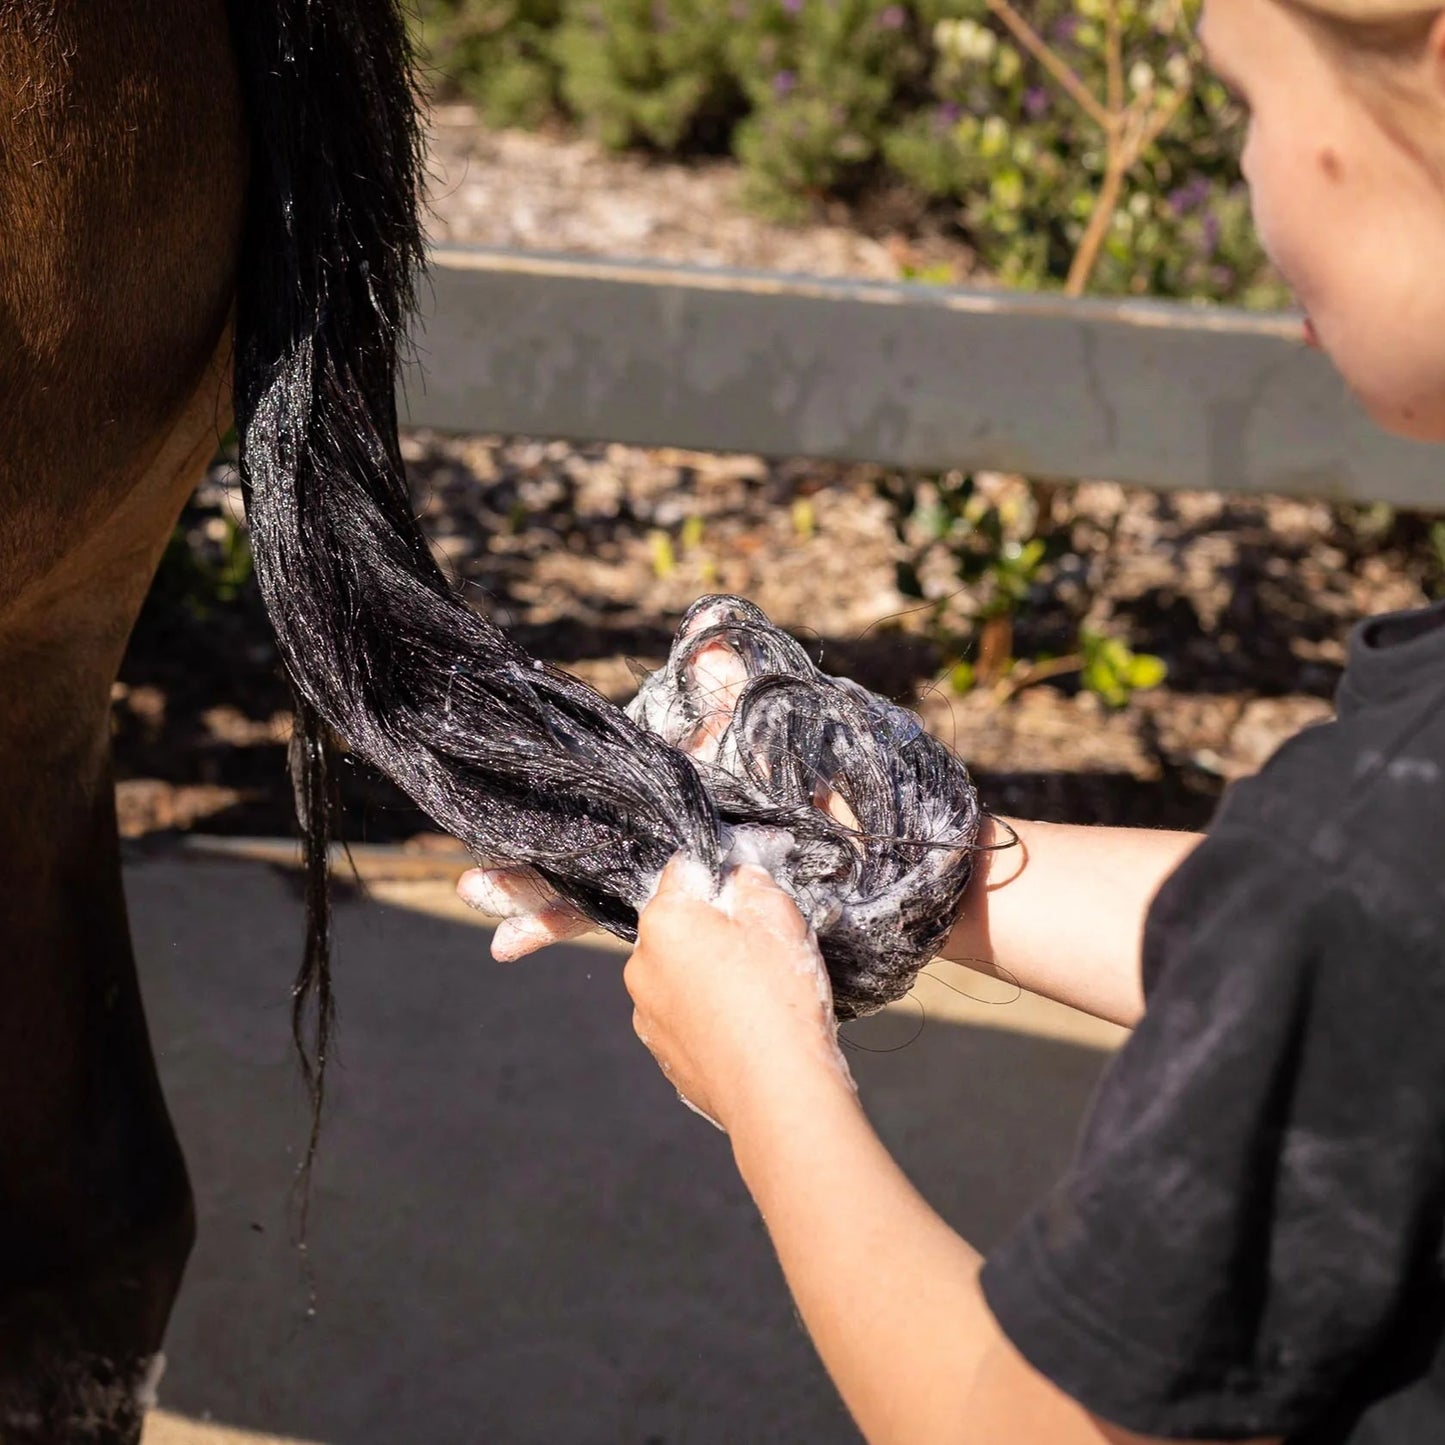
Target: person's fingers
[
  {"x": 719, "y": 675},
  {"x": 827, "y": 799},
  {"x": 517, "y": 937},
  {"x": 677, "y": 874},
  {"x": 532, "y": 915},
  {"x": 750, "y": 896},
  {"x": 683, "y": 880},
  {"x": 504, "y": 892},
  {"x": 758, "y": 902}
]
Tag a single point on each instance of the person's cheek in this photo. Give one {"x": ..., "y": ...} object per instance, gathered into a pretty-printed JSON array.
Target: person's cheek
[
  {"x": 1268, "y": 207},
  {"x": 1352, "y": 276},
  {"x": 1367, "y": 271},
  {"x": 1287, "y": 220}
]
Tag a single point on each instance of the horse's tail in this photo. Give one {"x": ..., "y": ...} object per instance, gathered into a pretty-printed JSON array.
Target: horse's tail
[
  {"x": 515, "y": 759},
  {"x": 331, "y": 252}
]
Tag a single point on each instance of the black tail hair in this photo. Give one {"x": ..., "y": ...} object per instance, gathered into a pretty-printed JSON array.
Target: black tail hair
[
  {"x": 518, "y": 760},
  {"x": 514, "y": 758}
]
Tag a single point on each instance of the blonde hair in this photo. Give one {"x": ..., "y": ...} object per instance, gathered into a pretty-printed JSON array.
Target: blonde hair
[{"x": 1371, "y": 10}]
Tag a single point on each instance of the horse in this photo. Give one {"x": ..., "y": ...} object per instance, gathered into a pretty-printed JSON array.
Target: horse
[{"x": 191, "y": 193}]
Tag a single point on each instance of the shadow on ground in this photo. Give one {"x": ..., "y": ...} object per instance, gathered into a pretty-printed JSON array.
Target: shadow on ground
[{"x": 518, "y": 1235}]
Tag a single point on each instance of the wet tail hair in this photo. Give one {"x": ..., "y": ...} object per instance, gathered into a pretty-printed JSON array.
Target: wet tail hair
[
  {"x": 518, "y": 760},
  {"x": 515, "y": 759}
]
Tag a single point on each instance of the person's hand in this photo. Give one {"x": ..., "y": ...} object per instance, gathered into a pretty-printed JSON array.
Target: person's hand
[
  {"x": 532, "y": 915},
  {"x": 730, "y": 994}
]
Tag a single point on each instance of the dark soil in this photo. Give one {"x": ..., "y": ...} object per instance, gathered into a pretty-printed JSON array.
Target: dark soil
[{"x": 1247, "y": 601}]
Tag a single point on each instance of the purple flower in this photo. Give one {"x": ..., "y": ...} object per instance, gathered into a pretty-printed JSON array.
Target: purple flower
[
  {"x": 1065, "y": 29},
  {"x": 792, "y": 6},
  {"x": 1036, "y": 102},
  {"x": 1211, "y": 234},
  {"x": 892, "y": 18},
  {"x": 1189, "y": 197},
  {"x": 785, "y": 82},
  {"x": 948, "y": 114}
]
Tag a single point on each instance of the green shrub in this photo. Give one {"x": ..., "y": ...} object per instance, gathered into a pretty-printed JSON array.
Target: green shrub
[
  {"x": 824, "y": 80},
  {"x": 499, "y": 52},
  {"x": 653, "y": 71},
  {"x": 202, "y": 571},
  {"x": 821, "y": 97}
]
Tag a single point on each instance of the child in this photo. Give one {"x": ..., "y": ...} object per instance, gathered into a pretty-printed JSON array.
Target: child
[{"x": 1248, "y": 1243}]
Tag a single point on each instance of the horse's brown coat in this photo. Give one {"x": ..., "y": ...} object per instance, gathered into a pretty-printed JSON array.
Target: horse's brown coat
[{"x": 122, "y": 169}]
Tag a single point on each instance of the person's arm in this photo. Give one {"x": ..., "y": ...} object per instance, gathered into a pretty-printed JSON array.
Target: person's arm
[
  {"x": 889, "y": 1293},
  {"x": 1062, "y": 914},
  {"x": 730, "y": 1004}
]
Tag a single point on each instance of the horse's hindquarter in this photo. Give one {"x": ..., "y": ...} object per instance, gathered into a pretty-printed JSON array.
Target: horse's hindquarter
[
  {"x": 121, "y": 184},
  {"x": 122, "y": 169},
  {"x": 121, "y": 179}
]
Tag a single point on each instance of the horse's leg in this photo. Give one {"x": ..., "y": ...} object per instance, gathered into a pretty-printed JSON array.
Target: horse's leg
[
  {"x": 121, "y": 174},
  {"x": 95, "y": 1209}
]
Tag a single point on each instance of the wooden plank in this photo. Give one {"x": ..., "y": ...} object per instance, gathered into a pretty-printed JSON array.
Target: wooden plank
[{"x": 906, "y": 375}]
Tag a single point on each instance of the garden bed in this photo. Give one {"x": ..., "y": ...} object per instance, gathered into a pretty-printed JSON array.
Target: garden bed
[{"x": 591, "y": 553}]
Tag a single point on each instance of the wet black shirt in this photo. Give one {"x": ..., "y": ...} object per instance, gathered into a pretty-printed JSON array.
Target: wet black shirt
[{"x": 1249, "y": 1240}]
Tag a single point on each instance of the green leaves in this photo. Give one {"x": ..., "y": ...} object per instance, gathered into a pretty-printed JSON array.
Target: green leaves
[
  {"x": 961, "y": 677},
  {"x": 651, "y": 71},
  {"x": 1437, "y": 550},
  {"x": 1023, "y": 161},
  {"x": 499, "y": 52},
  {"x": 203, "y": 571},
  {"x": 987, "y": 534},
  {"x": 1113, "y": 672},
  {"x": 823, "y": 79}
]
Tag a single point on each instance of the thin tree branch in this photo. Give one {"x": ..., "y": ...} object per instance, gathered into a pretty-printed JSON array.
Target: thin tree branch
[
  {"x": 1162, "y": 118},
  {"x": 1143, "y": 123},
  {"x": 1114, "y": 57},
  {"x": 1105, "y": 204},
  {"x": 1026, "y": 674}
]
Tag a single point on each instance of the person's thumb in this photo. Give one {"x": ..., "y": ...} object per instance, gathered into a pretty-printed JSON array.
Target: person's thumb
[{"x": 756, "y": 901}]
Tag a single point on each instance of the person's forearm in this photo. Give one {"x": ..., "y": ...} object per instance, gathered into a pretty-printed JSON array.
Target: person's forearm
[
  {"x": 890, "y": 1295},
  {"x": 887, "y": 1291},
  {"x": 1063, "y": 913}
]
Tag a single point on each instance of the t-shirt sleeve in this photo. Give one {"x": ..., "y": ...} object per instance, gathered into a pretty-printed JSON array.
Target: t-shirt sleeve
[{"x": 1256, "y": 1199}]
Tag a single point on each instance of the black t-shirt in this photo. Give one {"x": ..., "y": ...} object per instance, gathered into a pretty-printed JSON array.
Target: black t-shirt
[{"x": 1249, "y": 1240}]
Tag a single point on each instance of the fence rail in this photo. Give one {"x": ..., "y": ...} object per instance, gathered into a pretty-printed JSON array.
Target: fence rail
[{"x": 912, "y": 376}]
